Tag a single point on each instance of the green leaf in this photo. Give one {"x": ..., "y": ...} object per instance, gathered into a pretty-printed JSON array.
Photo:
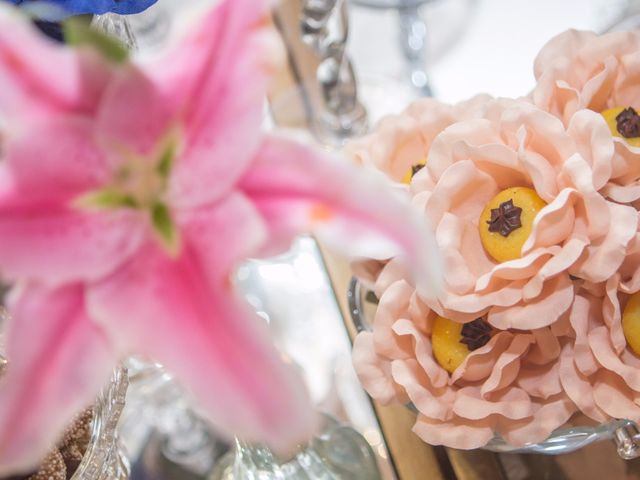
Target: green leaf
[
  {"x": 78, "y": 31},
  {"x": 166, "y": 159},
  {"x": 105, "y": 199},
  {"x": 165, "y": 229}
]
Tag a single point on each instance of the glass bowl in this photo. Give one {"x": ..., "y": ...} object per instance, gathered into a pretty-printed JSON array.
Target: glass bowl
[
  {"x": 336, "y": 451},
  {"x": 625, "y": 433}
]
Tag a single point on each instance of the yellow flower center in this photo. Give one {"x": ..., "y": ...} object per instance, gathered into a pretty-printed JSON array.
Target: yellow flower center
[{"x": 140, "y": 184}]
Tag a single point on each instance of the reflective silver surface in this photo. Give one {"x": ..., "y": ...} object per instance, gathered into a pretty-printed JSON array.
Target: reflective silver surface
[
  {"x": 294, "y": 294},
  {"x": 325, "y": 29}
]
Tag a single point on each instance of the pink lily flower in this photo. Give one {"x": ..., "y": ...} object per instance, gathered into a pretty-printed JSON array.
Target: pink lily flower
[{"x": 128, "y": 195}]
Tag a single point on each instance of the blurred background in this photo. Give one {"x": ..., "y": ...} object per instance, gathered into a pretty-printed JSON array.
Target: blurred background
[{"x": 464, "y": 47}]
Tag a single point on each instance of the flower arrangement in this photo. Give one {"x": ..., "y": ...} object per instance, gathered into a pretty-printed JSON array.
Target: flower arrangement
[
  {"x": 129, "y": 191},
  {"x": 535, "y": 204}
]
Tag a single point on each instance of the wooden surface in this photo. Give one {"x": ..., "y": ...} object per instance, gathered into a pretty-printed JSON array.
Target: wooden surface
[{"x": 415, "y": 460}]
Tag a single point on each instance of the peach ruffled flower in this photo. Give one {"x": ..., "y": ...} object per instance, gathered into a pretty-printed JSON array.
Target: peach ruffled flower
[
  {"x": 581, "y": 70},
  {"x": 510, "y": 386},
  {"x": 579, "y": 242},
  {"x": 598, "y": 371},
  {"x": 401, "y": 140},
  {"x": 578, "y": 234}
]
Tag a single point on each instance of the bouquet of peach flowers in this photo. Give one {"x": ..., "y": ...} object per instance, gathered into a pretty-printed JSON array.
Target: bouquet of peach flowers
[{"x": 535, "y": 205}]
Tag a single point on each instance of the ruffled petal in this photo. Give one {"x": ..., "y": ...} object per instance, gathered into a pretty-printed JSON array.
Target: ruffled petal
[
  {"x": 438, "y": 376},
  {"x": 457, "y": 239},
  {"x": 622, "y": 193},
  {"x": 519, "y": 269},
  {"x": 554, "y": 223},
  {"x": 297, "y": 189},
  {"x": 612, "y": 314},
  {"x": 548, "y": 416},
  {"x": 541, "y": 382},
  {"x": 507, "y": 366},
  {"x": 431, "y": 401},
  {"x": 512, "y": 403},
  {"x": 595, "y": 144},
  {"x": 395, "y": 270},
  {"x": 578, "y": 387},
  {"x": 49, "y": 338},
  {"x": 614, "y": 397},
  {"x": 605, "y": 354},
  {"x": 375, "y": 373},
  {"x": 555, "y": 299},
  {"x": 400, "y": 141},
  {"x": 214, "y": 345},
  {"x": 584, "y": 312},
  {"x": 479, "y": 363},
  {"x": 546, "y": 347},
  {"x": 604, "y": 257},
  {"x": 394, "y": 148},
  {"x": 560, "y": 262},
  {"x": 393, "y": 305},
  {"x": 591, "y": 206},
  {"x": 565, "y": 44},
  {"x": 478, "y": 303},
  {"x": 456, "y": 433},
  {"x": 579, "y": 70}
]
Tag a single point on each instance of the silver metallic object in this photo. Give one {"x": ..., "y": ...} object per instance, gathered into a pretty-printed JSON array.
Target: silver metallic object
[
  {"x": 624, "y": 433},
  {"x": 325, "y": 28},
  {"x": 412, "y": 38},
  {"x": 116, "y": 26}
]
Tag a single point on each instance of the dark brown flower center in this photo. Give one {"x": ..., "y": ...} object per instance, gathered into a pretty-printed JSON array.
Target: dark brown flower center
[
  {"x": 628, "y": 123},
  {"x": 476, "y": 334},
  {"x": 416, "y": 168},
  {"x": 505, "y": 219}
]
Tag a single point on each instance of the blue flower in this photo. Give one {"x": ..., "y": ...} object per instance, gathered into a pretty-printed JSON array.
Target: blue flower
[{"x": 77, "y": 7}]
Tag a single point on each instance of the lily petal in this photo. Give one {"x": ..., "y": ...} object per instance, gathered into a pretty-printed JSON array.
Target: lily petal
[
  {"x": 233, "y": 225},
  {"x": 214, "y": 345},
  {"x": 239, "y": 56},
  {"x": 55, "y": 160},
  {"x": 213, "y": 94},
  {"x": 48, "y": 339},
  {"x": 27, "y": 60},
  {"x": 58, "y": 244},
  {"x": 298, "y": 188}
]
